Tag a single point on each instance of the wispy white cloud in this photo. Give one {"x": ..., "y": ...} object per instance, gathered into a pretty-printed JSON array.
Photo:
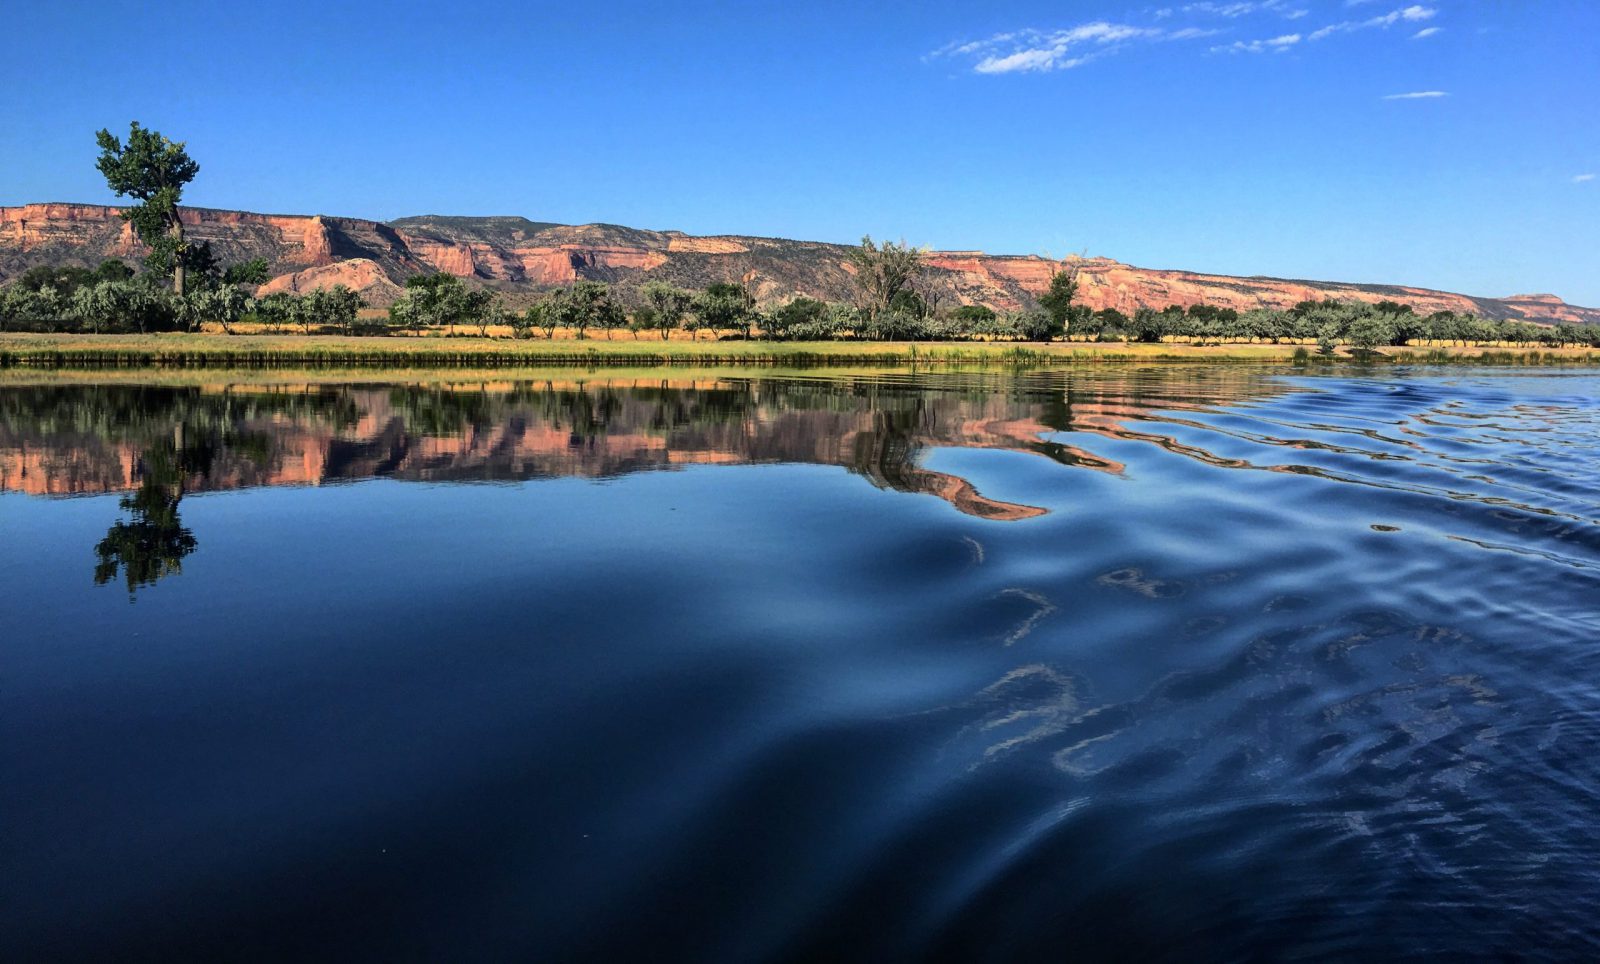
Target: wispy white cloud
[
  {"x": 1190, "y": 33},
  {"x": 1412, "y": 14},
  {"x": 1040, "y": 50},
  {"x": 1033, "y": 50},
  {"x": 1229, "y": 10},
  {"x": 1418, "y": 95},
  {"x": 1274, "y": 44},
  {"x": 1582, "y": 178},
  {"x": 1234, "y": 9},
  {"x": 1035, "y": 59}
]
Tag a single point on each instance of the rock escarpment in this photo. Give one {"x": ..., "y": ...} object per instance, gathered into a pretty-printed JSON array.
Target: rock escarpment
[{"x": 521, "y": 257}]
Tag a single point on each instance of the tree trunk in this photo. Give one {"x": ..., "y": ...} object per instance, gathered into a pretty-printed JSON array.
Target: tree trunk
[{"x": 177, "y": 254}]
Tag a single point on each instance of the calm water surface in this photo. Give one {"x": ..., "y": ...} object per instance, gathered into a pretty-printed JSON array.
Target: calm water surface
[{"x": 1182, "y": 664}]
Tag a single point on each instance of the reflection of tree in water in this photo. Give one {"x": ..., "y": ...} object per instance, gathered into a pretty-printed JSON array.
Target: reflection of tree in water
[
  {"x": 139, "y": 412},
  {"x": 153, "y": 542},
  {"x": 150, "y": 545},
  {"x": 70, "y": 439},
  {"x": 439, "y": 410},
  {"x": 183, "y": 436},
  {"x": 586, "y": 413}
]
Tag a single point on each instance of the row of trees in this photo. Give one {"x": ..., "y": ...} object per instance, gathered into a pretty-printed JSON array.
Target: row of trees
[
  {"x": 1359, "y": 324},
  {"x": 898, "y": 312},
  {"x": 113, "y": 299}
]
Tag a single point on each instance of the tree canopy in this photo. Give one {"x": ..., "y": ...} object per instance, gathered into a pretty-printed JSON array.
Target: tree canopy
[
  {"x": 1057, "y": 301},
  {"x": 883, "y": 272},
  {"x": 668, "y": 304},
  {"x": 153, "y": 170}
]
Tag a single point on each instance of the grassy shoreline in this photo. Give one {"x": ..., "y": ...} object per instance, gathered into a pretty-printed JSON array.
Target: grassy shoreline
[{"x": 45, "y": 351}]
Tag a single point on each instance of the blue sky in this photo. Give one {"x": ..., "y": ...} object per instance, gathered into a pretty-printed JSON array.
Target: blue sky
[{"x": 1272, "y": 137}]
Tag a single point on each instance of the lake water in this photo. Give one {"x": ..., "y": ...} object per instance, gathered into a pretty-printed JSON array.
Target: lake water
[{"x": 1192, "y": 663}]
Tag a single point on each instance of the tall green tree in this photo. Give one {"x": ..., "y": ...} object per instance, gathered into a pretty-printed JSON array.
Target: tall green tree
[
  {"x": 470, "y": 307},
  {"x": 153, "y": 170},
  {"x": 336, "y": 307},
  {"x": 723, "y": 306},
  {"x": 565, "y": 309},
  {"x": 882, "y": 273},
  {"x": 585, "y": 305},
  {"x": 609, "y": 315},
  {"x": 496, "y": 313},
  {"x": 1057, "y": 300},
  {"x": 668, "y": 305},
  {"x": 436, "y": 300},
  {"x": 546, "y": 314}
]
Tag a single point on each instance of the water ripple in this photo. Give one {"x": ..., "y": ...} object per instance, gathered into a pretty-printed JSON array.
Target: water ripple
[{"x": 1185, "y": 663}]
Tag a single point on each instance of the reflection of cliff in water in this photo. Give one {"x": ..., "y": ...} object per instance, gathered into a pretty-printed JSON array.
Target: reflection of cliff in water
[{"x": 73, "y": 440}]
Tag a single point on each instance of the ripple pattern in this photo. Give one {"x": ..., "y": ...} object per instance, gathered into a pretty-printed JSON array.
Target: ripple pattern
[{"x": 1184, "y": 663}]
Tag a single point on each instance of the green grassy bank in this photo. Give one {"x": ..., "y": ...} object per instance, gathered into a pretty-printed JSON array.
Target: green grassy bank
[{"x": 319, "y": 351}]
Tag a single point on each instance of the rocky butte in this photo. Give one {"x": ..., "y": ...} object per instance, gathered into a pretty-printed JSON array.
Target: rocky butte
[{"x": 521, "y": 257}]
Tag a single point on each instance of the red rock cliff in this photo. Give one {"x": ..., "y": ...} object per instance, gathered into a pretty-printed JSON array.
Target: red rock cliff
[{"x": 521, "y": 257}]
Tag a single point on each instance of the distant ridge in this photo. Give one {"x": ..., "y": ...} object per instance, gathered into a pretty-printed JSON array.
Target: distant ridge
[{"x": 521, "y": 257}]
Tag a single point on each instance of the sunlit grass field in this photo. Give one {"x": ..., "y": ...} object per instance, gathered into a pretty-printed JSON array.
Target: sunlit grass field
[{"x": 321, "y": 351}]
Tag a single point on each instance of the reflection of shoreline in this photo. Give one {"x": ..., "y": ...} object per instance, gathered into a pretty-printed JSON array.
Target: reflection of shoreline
[
  {"x": 961, "y": 494},
  {"x": 81, "y": 440}
]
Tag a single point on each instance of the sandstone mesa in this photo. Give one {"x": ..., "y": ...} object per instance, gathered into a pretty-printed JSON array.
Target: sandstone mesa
[{"x": 520, "y": 257}]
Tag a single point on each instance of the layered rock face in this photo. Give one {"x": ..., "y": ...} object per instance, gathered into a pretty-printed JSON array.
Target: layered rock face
[
  {"x": 86, "y": 234},
  {"x": 521, "y": 257}
]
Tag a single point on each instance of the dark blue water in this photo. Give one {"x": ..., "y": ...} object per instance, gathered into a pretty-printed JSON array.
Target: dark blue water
[{"x": 1181, "y": 664}]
